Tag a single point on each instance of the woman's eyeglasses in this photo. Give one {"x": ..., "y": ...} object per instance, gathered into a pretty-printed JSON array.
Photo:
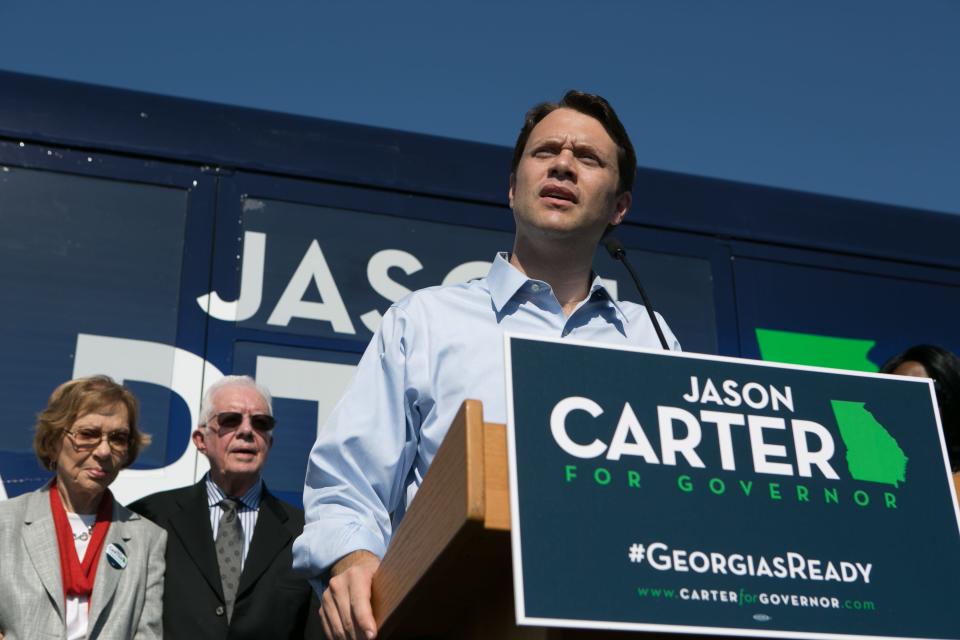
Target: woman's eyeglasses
[{"x": 89, "y": 439}]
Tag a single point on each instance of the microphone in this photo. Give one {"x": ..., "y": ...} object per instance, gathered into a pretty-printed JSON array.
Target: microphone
[{"x": 618, "y": 252}]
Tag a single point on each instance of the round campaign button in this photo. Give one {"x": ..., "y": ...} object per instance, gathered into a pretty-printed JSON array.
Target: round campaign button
[{"x": 116, "y": 556}]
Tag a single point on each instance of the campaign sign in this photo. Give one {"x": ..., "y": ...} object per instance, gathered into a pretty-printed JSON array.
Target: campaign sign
[{"x": 676, "y": 492}]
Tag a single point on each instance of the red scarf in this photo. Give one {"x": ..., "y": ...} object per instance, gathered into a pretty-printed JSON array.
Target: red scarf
[{"x": 78, "y": 578}]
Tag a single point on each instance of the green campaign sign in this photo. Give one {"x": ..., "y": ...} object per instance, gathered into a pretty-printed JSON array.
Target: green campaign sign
[{"x": 678, "y": 492}]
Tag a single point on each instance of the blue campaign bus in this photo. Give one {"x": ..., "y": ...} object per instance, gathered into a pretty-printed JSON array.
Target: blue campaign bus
[{"x": 167, "y": 242}]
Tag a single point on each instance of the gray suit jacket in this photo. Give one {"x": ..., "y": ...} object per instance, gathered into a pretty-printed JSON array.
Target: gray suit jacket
[{"x": 126, "y": 603}]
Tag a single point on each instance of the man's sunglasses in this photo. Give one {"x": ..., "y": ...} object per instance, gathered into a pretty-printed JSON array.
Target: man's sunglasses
[{"x": 230, "y": 420}]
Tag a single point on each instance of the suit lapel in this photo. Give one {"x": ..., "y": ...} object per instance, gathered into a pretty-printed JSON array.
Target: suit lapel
[
  {"x": 269, "y": 538},
  {"x": 40, "y": 539},
  {"x": 192, "y": 525},
  {"x": 120, "y": 534}
]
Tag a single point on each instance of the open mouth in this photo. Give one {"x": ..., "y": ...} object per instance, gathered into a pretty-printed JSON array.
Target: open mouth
[{"x": 558, "y": 193}]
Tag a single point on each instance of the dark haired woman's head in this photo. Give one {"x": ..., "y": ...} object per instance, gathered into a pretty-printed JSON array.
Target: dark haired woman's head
[{"x": 943, "y": 367}]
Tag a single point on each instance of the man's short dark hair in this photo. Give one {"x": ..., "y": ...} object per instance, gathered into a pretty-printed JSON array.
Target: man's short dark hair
[{"x": 596, "y": 107}]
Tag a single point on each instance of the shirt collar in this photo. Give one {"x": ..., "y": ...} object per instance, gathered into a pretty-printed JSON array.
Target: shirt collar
[
  {"x": 505, "y": 280},
  {"x": 598, "y": 290},
  {"x": 250, "y": 500}
]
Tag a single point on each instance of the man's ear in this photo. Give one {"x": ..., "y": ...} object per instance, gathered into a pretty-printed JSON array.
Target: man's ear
[
  {"x": 621, "y": 206},
  {"x": 198, "y": 441},
  {"x": 513, "y": 183}
]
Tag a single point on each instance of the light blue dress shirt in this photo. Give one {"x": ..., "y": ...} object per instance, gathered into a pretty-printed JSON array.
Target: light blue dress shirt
[{"x": 434, "y": 349}]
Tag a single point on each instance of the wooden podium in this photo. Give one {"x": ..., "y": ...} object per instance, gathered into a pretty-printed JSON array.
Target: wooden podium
[{"x": 448, "y": 573}]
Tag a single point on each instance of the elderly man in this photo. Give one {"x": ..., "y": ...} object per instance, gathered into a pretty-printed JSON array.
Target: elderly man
[
  {"x": 228, "y": 557},
  {"x": 572, "y": 176}
]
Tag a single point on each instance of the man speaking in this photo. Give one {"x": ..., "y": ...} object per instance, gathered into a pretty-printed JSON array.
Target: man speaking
[{"x": 572, "y": 175}]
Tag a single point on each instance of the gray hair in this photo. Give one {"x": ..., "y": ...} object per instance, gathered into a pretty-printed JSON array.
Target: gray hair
[{"x": 206, "y": 405}]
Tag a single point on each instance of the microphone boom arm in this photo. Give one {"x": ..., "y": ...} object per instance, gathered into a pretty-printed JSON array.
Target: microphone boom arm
[{"x": 617, "y": 251}]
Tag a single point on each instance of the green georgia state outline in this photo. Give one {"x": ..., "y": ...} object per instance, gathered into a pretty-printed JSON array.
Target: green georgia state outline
[{"x": 873, "y": 454}]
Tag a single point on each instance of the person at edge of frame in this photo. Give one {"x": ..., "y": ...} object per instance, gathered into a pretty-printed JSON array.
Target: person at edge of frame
[{"x": 943, "y": 367}]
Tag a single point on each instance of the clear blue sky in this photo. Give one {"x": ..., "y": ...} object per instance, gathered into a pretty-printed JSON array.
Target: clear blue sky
[{"x": 858, "y": 98}]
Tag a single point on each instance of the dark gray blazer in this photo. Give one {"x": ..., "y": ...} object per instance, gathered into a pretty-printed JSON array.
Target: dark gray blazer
[{"x": 271, "y": 602}]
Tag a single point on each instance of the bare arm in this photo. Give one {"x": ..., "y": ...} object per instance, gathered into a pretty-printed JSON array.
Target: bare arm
[{"x": 345, "y": 610}]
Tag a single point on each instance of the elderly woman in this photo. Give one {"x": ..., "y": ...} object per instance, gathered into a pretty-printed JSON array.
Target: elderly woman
[
  {"x": 75, "y": 563},
  {"x": 928, "y": 361}
]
